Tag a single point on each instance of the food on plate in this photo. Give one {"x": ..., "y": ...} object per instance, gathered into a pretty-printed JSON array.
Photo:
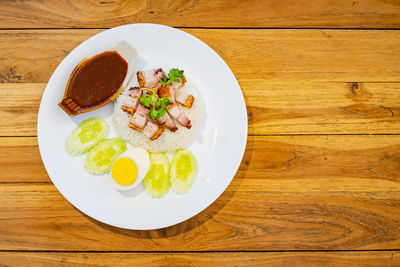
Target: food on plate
[
  {"x": 184, "y": 99},
  {"x": 169, "y": 85},
  {"x": 130, "y": 168},
  {"x": 94, "y": 83},
  {"x": 152, "y": 130},
  {"x": 98, "y": 80},
  {"x": 183, "y": 170},
  {"x": 86, "y": 135},
  {"x": 157, "y": 181},
  {"x": 149, "y": 78},
  {"x": 175, "y": 112},
  {"x": 139, "y": 118},
  {"x": 103, "y": 154},
  {"x": 168, "y": 122},
  {"x": 162, "y": 114},
  {"x": 132, "y": 100}
]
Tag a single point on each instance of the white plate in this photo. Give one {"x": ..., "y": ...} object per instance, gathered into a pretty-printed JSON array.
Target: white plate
[{"x": 219, "y": 145}]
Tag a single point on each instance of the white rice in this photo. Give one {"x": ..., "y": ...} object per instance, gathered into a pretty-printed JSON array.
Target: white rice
[{"x": 168, "y": 141}]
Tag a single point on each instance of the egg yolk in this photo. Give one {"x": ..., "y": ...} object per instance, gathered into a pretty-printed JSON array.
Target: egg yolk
[{"x": 124, "y": 171}]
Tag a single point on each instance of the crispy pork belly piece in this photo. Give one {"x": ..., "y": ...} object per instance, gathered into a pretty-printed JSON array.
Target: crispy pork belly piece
[
  {"x": 184, "y": 121},
  {"x": 177, "y": 114},
  {"x": 141, "y": 110},
  {"x": 139, "y": 118},
  {"x": 157, "y": 134},
  {"x": 152, "y": 130},
  {"x": 132, "y": 100},
  {"x": 177, "y": 85},
  {"x": 168, "y": 122},
  {"x": 170, "y": 90},
  {"x": 184, "y": 98},
  {"x": 150, "y": 78},
  {"x": 164, "y": 118},
  {"x": 166, "y": 91},
  {"x": 137, "y": 123},
  {"x": 174, "y": 111}
]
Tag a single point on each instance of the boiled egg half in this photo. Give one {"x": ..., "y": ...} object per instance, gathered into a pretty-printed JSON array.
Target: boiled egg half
[{"x": 130, "y": 168}]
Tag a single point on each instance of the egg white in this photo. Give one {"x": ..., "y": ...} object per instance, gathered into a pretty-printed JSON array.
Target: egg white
[{"x": 142, "y": 160}]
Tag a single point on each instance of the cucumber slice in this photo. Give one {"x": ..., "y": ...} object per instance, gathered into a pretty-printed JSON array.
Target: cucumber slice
[
  {"x": 85, "y": 136},
  {"x": 101, "y": 157},
  {"x": 157, "y": 181},
  {"x": 183, "y": 170}
]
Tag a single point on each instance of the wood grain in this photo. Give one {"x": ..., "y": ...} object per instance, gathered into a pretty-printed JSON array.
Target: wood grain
[
  {"x": 321, "y": 108},
  {"x": 290, "y": 193},
  {"x": 301, "y": 188},
  {"x": 30, "y": 56},
  {"x": 306, "y": 158},
  {"x": 272, "y": 259},
  {"x": 19, "y": 107},
  {"x": 201, "y": 13},
  {"x": 273, "y": 108},
  {"x": 20, "y": 161},
  {"x": 252, "y": 214}
]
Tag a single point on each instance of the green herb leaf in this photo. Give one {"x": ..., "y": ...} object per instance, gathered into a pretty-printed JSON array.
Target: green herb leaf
[
  {"x": 146, "y": 100},
  {"x": 164, "y": 102},
  {"x": 152, "y": 100},
  {"x": 156, "y": 114},
  {"x": 161, "y": 112},
  {"x": 164, "y": 80},
  {"x": 173, "y": 76},
  {"x": 153, "y": 113}
]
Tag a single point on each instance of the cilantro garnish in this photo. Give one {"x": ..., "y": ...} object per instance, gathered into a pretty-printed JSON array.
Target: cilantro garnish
[
  {"x": 146, "y": 100},
  {"x": 164, "y": 102},
  {"x": 153, "y": 102},
  {"x": 173, "y": 76}
]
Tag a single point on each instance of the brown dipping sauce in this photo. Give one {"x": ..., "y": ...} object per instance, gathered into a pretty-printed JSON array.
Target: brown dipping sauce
[{"x": 96, "y": 80}]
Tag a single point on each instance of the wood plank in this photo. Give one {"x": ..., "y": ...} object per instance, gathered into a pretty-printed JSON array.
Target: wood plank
[
  {"x": 266, "y": 157},
  {"x": 19, "y": 107},
  {"x": 20, "y": 161},
  {"x": 291, "y": 193},
  {"x": 30, "y": 56},
  {"x": 321, "y": 108},
  {"x": 315, "y": 259},
  {"x": 273, "y": 108},
  {"x": 252, "y": 214},
  {"x": 201, "y": 13}
]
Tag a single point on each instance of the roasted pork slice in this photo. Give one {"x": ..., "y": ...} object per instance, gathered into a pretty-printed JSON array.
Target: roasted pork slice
[
  {"x": 168, "y": 122},
  {"x": 184, "y": 98},
  {"x": 152, "y": 130},
  {"x": 164, "y": 118},
  {"x": 166, "y": 91},
  {"x": 184, "y": 121},
  {"x": 175, "y": 112},
  {"x": 142, "y": 110},
  {"x": 137, "y": 122},
  {"x": 177, "y": 85},
  {"x": 132, "y": 100},
  {"x": 139, "y": 118},
  {"x": 150, "y": 78}
]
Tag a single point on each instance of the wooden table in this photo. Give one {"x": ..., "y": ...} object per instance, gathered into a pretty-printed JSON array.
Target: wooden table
[{"x": 319, "y": 183}]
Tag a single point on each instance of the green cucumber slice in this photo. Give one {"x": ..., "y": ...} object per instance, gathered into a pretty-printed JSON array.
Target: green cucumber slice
[
  {"x": 85, "y": 136},
  {"x": 157, "y": 181},
  {"x": 183, "y": 171},
  {"x": 102, "y": 156}
]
